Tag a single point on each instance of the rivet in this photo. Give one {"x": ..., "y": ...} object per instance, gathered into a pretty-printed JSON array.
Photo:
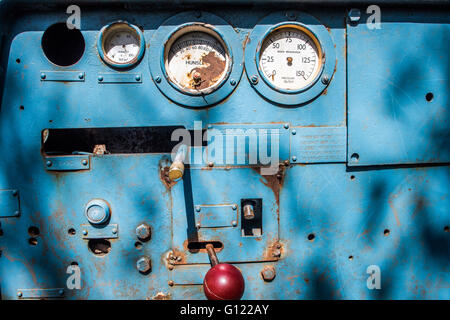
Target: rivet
[
  {"x": 198, "y": 225},
  {"x": 233, "y": 82},
  {"x": 293, "y": 132},
  {"x": 234, "y": 223},
  {"x": 210, "y": 164},
  {"x": 325, "y": 79},
  {"x": 80, "y": 75},
  {"x": 84, "y": 162},
  {"x": 170, "y": 267},
  {"x": 254, "y": 79},
  {"x": 100, "y": 78},
  {"x": 114, "y": 231},
  {"x": 85, "y": 232},
  {"x": 286, "y": 125},
  {"x": 234, "y": 207},
  {"x": 49, "y": 163},
  {"x": 43, "y": 76},
  {"x": 158, "y": 79},
  {"x": 138, "y": 78},
  {"x": 198, "y": 208},
  {"x": 171, "y": 283},
  {"x": 294, "y": 158},
  {"x": 19, "y": 294}
]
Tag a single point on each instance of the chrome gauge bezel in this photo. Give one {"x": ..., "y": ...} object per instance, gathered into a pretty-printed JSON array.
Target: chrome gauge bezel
[{"x": 112, "y": 27}]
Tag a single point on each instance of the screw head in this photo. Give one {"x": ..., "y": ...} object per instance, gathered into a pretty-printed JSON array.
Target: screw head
[
  {"x": 80, "y": 76},
  {"x": 234, "y": 207},
  {"x": 198, "y": 208},
  {"x": 143, "y": 264},
  {"x": 85, "y": 232},
  {"x": 61, "y": 292},
  {"x": 210, "y": 164},
  {"x": 268, "y": 273},
  {"x": 100, "y": 78},
  {"x": 43, "y": 76},
  {"x": 234, "y": 223},
  {"x": 114, "y": 230},
  {"x": 84, "y": 162},
  {"x": 198, "y": 225},
  {"x": 19, "y": 293},
  {"x": 276, "y": 253},
  {"x": 233, "y": 82},
  {"x": 171, "y": 283},
  {"x": 49, "y": 163},
  {"x": 138, "y": 78},
  {"x": 170, "y": 267},
  {"x": 158, "y": 79},
  {"x": 286, "y": 125},
  {"x": 354, "y": 15},
  {"x": 143, "y": 231},
  {"x": 293, "y": 132},
  {"x": 294, "y": 158},
  {"x": 254, "y": 79},
  {"x": 325, "y": 79}
]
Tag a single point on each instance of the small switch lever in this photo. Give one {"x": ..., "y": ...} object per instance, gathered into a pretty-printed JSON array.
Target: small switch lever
[{"x": 176, "y": 169}]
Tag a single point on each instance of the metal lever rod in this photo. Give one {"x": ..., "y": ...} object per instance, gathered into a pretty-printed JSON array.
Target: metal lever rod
[{"x": 212, "y": 255}]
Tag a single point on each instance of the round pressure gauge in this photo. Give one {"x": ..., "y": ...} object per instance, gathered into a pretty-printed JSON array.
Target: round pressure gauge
[
  {"x": 196, "y": 59},
  {"x": 290, "y": 58},
  {"x": 121, "y": 44}
]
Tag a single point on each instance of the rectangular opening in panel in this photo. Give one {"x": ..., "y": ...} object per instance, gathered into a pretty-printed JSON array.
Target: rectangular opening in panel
[{"x": 123, "y": 140}]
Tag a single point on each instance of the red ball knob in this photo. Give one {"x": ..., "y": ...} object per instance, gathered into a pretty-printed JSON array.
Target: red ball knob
[{"x": 224, "y": 282}]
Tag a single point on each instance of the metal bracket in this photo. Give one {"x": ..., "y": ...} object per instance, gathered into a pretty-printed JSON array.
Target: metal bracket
[
  {"x": 67, "y": 163},
  {"x": 40, "y": 293},
  {"x": 215, "y": 216},
  {"x": 77, "y": 76},
  {"x": 119, "y": 78},
  {"x": 111, "y": 231}
]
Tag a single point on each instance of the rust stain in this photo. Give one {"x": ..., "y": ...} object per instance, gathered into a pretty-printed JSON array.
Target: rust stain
[
  {"x": 208, "y": 75},
  {"x": 162, "y": 296}
]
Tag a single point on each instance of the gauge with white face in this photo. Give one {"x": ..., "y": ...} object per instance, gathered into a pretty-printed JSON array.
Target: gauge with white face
[
  {"x": 121, "y": 44},
  {"x": 290, "y": 58},
  {"x": 196, "y": 60}
]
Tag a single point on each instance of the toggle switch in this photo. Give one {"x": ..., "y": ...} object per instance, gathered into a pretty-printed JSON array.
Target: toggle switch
[
  {"x": 176, "y": 169},
  {"x": 223, "y": 281}
]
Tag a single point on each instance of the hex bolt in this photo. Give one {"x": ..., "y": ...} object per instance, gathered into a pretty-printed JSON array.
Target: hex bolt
[
  {"x": 249, "y": 213},
  {"x": 100, "y": 78},
  {"x": 268, "y": 273},
  {"x": 143, "y": 231},
  {"x": 143, "y": 264},
  {"x": 354, "y": 15},
  {"x": 19, "y": 294},
  {"x": 254, "y": 79},
  {"x": 49, "y": 163},
  {"x": 276, "y": 253}
]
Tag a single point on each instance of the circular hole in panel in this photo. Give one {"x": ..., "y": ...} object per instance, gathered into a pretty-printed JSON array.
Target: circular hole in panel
[
  {"x": 62, "y": 46},
  {"x": 99, "y": 247},
  {"x": 71, "y": 231},
  {"x": 429, "y": 96},
  {"x": 33, "y": 231},
  {"x": 32, "y": 241},
  {"x": 138, "y": 245},
  {"x": 311, "y": 237},
  {"x": 386, "y": 232}
]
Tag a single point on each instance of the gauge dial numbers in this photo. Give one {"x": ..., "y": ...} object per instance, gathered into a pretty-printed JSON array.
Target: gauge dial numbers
[
  {"x": 121, "y": 44},
  {"x": 290, "y": 58},
  {"x": 196, "y": 60}
]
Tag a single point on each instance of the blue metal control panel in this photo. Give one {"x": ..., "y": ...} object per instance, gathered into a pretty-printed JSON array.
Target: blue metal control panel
[{"x": 307, "y": 142}]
